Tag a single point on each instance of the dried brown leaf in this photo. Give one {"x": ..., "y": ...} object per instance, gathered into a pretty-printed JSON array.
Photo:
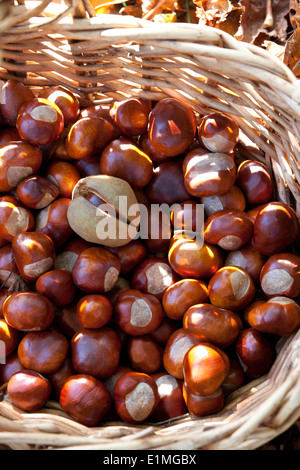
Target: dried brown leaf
[
  {"x": 294, "y": 13},
  {"x": 134, "y": 9},
  {"x": 292, "y": 48},
  {"x": 231, "y": 21},
  {"x": 292, "y": 52},
  {"x": 165, "y": 18},
  {"x": 151, "y": 8},
  {"x": 221, "y": 5},
  {"x": 148, "y": 5},
  {"x": 253, "y": 20},
  {"x": 219, "y": 14}
]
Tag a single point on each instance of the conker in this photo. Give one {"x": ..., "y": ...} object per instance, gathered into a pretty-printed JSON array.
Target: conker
[
  {"x": 9, "y": 273},
  {"x": 135, "y": 397},
  {"x": 14, "y": 218},
  {"x": 276, "y": 227},
  {"x": 212, "y": 324},
  {"x": 87, "y": 137},
  {"x": 13, "y": 95},
  {"x": 58, "y": 286},
  {"x": 131, "y": 115},
  {"x": 144, "y": 354},
  {"x": 208, "y": 174},
  {"x": 231, "y": 288},
  {"x": 130, "y": 255},
  {"x": 205, "y": 367},
  {"x": 280, "y": 275},
  {"x": 278, "y": 316},
  {"x": 96, "y": 270},
  {"x": 9, "y": 337},
  {"x": 235, "y": 379},
  {"x": 255, "y": 181},
  {"x": 39, "y": 121},
  {"x": 59, "y": 377},
  {"x": 34, "y": 254},
  {"x": 64, "y": 175},
  {"x": 203, "y": 405},
  {"x": 43, "y": 351},
  {"x": 67, "y": 256},
  {"x": 53, "y": 221},
  {"x": 85, "y": 399},
  {"x": 28, "y": 311},
  {"x": 37, "y": 192},
  {"x": 65, "y": 100},
  {"x": 255, "y": 352},
  {"x": 229, "y": 229},
  {"x": 123, "y": 159},
  {"x": 94, "y": 311},
  {"x": 18, "y": 160},
  {"x": 137, "y": 313},
  {"x": 10, "y": 367},
  {"x": 167, "y": 184},
  {"x": 179, "y": 343},
  {"x": 234, "y": 199},
  {"x": 153, "y": 276},
  {"x": 96, "y": 351},
  {"x": 248, "y": 258},
  {"x": 97, "y": 214},
  {"x": 218, "y": 132},
  {"x": 194, "y": 259},
  {"x": 172, "y": 127},
  {"x": 183, "y": 294},
  {"x": 171, "y": 402},
  {"x": 28, "y": 390}
]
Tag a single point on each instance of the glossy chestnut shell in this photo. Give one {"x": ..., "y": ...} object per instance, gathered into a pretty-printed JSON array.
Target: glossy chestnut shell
[
  {"x": 28, "y": 390},
  {"x": 28, "y": 311},
  {"x": 218, "y": 132},
  {"x": 96, "y": 351},
  {"x": 43, "y": 351},
  {"x": 255, "y": 181},
  {"x": 135, "y": 397},
  {"x": 205, "y": 367},
  {"x": 276, "y": 227},
  {"x": 183, "y": 294},
  {"x": 280, "y": 275},
  {"x": 231, "y": 288},
  {"x": 39, "y": 121},
  {"x": 85, "y": 398},
  {"x": 172, "y": 127},
  {"x": 213, "y": 324},
  {"x": 255, "y": 352}
]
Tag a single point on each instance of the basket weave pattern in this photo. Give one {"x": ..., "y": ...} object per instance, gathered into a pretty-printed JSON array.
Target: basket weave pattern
[{"x": 108, "y": 56}]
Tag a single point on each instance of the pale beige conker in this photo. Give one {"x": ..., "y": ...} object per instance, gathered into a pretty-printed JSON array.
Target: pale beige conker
[{"x": 114, "y": 221}]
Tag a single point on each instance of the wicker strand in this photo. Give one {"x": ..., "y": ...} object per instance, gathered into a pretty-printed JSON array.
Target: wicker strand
[{"x": 12, "y": 20}]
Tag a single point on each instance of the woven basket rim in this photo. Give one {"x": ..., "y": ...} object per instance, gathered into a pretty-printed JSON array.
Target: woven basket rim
[{"x": 267, "y": 92}]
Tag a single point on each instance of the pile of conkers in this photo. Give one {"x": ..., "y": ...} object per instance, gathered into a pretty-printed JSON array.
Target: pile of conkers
[{"x": 135, "y": 328}]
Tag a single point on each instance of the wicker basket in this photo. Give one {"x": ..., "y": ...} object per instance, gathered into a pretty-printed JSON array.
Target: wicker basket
[{"x": 108, "y": 56}]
